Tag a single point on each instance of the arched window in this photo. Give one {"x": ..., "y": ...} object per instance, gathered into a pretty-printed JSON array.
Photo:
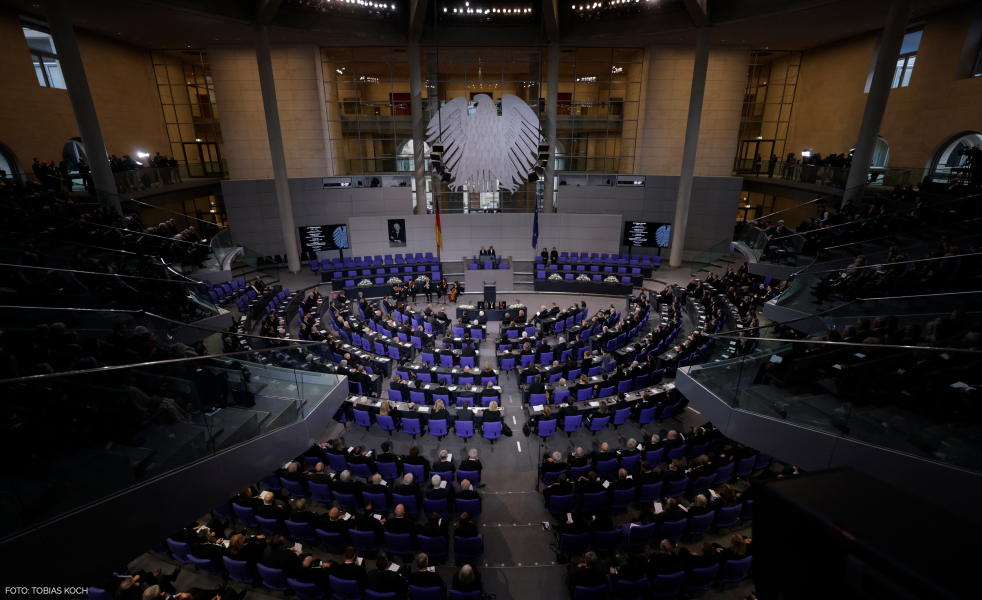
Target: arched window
[
  {"x": 881, "y": 154},
  {"x": 9, "y": 164},
  {"x": 948, "y": 159}
]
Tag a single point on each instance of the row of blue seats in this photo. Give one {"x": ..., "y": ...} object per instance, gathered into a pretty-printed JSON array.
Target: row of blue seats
[
  {"x": 222, "y": 293},
  {"x": 435, "y": 276},
  {"x": 418, "y": 270},
  {"x": 593, "y": 269},
  {"x": 378, "y": 260},
  {"x": 604, "y": 258},
  {"x": 487, "y": 265},
  {"x": 414, "y": 427}
]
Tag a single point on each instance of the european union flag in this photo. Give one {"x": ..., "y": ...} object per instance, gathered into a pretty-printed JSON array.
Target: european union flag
[{"x": 535, "y": 228}]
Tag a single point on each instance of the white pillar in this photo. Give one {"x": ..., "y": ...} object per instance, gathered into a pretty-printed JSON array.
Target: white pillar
[
  {"x": 691, "y": 142},
  {"x": 876, "y": 100},
  {"x": 419, "y": 136},
  {"x": 81, "y": 98},
  {"x": 552, "y": 95},
  {"x": 283, "y": 200}
]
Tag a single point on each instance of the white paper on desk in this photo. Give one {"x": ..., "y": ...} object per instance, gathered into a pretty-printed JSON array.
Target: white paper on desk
[
  {"x": 670, "y": 386},
  {"x": 858, "y": 355},
  {"x": 393, "y": 567},
  {"x": 298, "y": 547},
  {"x": 443, "y": 484},
  {"x": 377, "y": 517},
  {"x": 452, "y": 388},
  {"x": 606, "y": 484},
  {"x": 658, "y": 507},
  {"x": 360, "y": 560},
  {"x": 454, "y": 370},
  {"x": 776, "y": 359},
  {"x": 537, "y": 408},
  {"x": 424, "y": 409},
  {"x": 345, "y": 517},
  {"x": 594, "y": 404},
  {"x": 901, "y": 371},
  {"x": 739, "y": 326}
]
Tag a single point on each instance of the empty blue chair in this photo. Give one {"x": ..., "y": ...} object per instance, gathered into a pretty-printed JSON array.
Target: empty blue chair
[
  {"x": 735, "y": 570},
  {"x": 438, "y": 428},
  {"x": 271, "y": 525},
  {"x": 363, "y": 541},
  {"x": 388, "y": 470},
  {"x": 572, "y": 424},
  {"x": 598, "y": 592},
  {"x": 464, "y": 429},
  {"x": 300, "y": 531},
  {"x": 274, "y": 579},
  {"x": 432, "y": 546},
  {"x": 379, "y": 502},
  {"x": 622, "y": 498},
  {"x": 649, "y": 493},
  {"x": 748, "y": 511},
  {"x": 654, "y": 456},
  {"x": 308, "y": 591},
  {"x": 560, "y": 505},
  {"x": 700, "y": 579},
  {"x": 574, "y": 544},
  {"x": 408, "y": 502},
  {"x": 398, "y": 543},
  {"x": 238, "y": 570},
  {"x": 471, "y": 507},
  {"x": 436, "y": 506},
  {"x": 600, "y": 423},
  {"x": 728, "y": 516},
  {"x": 471, "y": 547},
  {"x": 207, "y": 565},
  {"x": 294, "y": 487},
  {"x": 223, "y": 511},
  {"x": 593, "y": 502},
  {"x": 672, "y": 530},
  {"x": 547, "y": 428},
  {"x": 320, "y": 492},
  {"x": 245, "y": 515},
  {"x": 492, "y": 431},
  {"x": 647, "y": 415},
  {"x": 272, "y": 482},
  {"x": 723, "y": 474},
  {"x": 385, "y": 423},
  {"x": 629, "y": 590},
  {"x": 630, "y": 463},
  {"x": 608, "y": 541},
  {"x": 536, "y": 399},
  {"x": 639, "y": 535},
  {"x": 606, "y": 467},
  {"x": 334, "y": 540},
  {"x": 346, "y": 500},
  {"x": 429, "y": 593},
  {"x": 745, "y": 466},
  {"x": 344, "y": 589},
  {"x": 418, "y": 471},
  {"x": 180, "y": 551},
  {"x": 361, "y": 470},
  {"x": 472, "y": 595},
  {"x": 700, "y": 524},
  {"x": 702, "y": 483},
  {"x": 472, "y": 476},
  {"x": 363, "y": 418},
  {"x": 394, "y": 395},
  {"x": 666, "y": 586}
]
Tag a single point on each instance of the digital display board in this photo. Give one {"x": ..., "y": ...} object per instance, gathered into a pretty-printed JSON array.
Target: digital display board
[
  {"x": 324, "y": 237},
  {"x": 640, "y": 234}
]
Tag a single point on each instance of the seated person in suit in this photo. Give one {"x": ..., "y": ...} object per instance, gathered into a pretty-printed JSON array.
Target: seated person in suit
[
  {"x": 301, "y": 514},
  {"x": 464, "y": 413},
  {"x": 467, "y": 492},
  {"x": 537, "y": 387},
  {"x": 434, "y": 527},
  {"x": 466, "y": 580},
  {"x": 471, "y": 463},
  {"x": 271, "y": 509},
  {"x": 407, "y": 487},
  {"x": 553, "y": 463},
  {"x": 384, "y": 581},
  {"x": 387, "y": 456},
  {"x": 399, "y": 523},
  {"x": 601, "y": 412},
  {"x": 414, "y": 458},
  {"x": 425, "y": 576},
  {"x": 589, "y": 484},
  {"x": 465, "y": 527},
  {"x": 365, "y": 521},
  {"x": 436, "y": 492},
  {"x": 332, "y": 523},
  {"x": 588, "y": 573},
  {"x": 546, "y": 416},
  {"x": 739, "y": 548},
  {"x": 350, "y": 570},
  {"x": 489, "y": 391},
  {"x": 663, "y": 562},
  {"x": 562, "y": 487},
  {"x": 280, "y": 555},
  {"x": 387, "y": 410},
  {"x": 622, "y": 482},
  {"x": 358, "y": 457}
]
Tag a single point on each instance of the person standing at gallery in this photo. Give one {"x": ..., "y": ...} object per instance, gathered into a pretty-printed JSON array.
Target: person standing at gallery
[
  {"x": 771, "y": 165},
  {"x": 757, "y": 160}
]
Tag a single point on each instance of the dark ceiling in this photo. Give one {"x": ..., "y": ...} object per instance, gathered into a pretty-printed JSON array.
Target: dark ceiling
[{"x": 784, "y": 24}]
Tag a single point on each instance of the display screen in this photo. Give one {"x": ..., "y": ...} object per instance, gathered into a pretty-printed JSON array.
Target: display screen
[
  {"x": 639, "y": 234},
  {"x": 324, "y": 237}
]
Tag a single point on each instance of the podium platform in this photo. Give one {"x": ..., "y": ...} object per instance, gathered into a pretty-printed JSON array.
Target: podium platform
[{"x": 502, "y": 279}]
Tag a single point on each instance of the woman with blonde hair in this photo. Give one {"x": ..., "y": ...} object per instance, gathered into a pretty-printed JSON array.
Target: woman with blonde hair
[
  {"x": 492, "y": 414},
  {"x": 739, "y": 548},
  {"x": 467, "y": 580},
  {"x": 439, "y": 411}
]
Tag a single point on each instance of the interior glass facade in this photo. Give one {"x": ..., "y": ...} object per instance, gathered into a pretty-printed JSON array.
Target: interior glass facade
[
  {"x": 187, "y": 96},
  {"x": 771, "y": 82},
  {"x": 370, "y": 115}
]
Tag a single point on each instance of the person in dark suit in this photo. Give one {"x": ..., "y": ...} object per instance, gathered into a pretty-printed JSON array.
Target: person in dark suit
[
  {"x": 464, "y": 413},
  {"x": 434, "y": 527},
  {"x": 271, "y": 509},
  {"x": 300, "y": 514},
  {"x": 647, "y": 476},
  {"x": 703, "y": 468},
  {"x": 663, "y": 562},
  {"x": 471, "y": 463},
  {"x": 467, "y": 492},
  {"x": 414, "y": 458},
  {"x": 554, "y": 255},
  {"x": 587, "y": 573},
  {"x": 407, "y": 487},
  {"x": 671, "y": 513},
  {"x": 278, "y": 555},
  {"x": 384, "y": 581},
  {"x": 358, "y": 457},
  {"x": 376, "y": 487},
  {"x": 489, "y": 392},
  {"x": 603, "y": 454},
  {"x": 387, "y": 456},
  {"x": 465, "y": 527},
  {"x": 553, "y": 463},
  {"x": 424, "y": 577},
  {"x": 622, "y": 482},
  {"x": 562, "y": 487},
  {"x": 350, "y": 570},
  {"x": 332, "y": 523},
  {"x": 399, "y": 523},
  {"x": 365, "y": 521},
  {"x": 537, "y": 387}
]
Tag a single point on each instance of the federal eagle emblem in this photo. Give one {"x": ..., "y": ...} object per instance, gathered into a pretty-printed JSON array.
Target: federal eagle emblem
[{"x": 485, "y": 151}]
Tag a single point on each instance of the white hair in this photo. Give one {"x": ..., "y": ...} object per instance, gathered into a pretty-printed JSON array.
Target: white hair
[
  {"x": 345, "y": 475},
  {"x": 557, "y": 456},
  {"x": 435, "y": 481},
  {"x": 632, "y": 443},
  {"x": 562, "y": 340},
  {"x": 408, "y": 478},
  {"x": 465, "y": 484},
  {"x": 473, "y": 452}
]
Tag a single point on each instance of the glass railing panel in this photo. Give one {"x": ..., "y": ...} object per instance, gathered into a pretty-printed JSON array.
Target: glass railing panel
[
  {"x": 76, "y": 437},
  {"x": 708, "y": 257}
]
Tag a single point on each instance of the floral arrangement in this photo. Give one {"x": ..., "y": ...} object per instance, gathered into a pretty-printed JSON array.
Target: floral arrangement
[
  {"x": 394, "y": 281},
  {"x": 555, "y": 277},
  {"x": 422, "y": 279},
  {"x": 365, "y": 283},
  {"x": 611, "y": 279},
  {"x": 516, "y": 306},
  {"x": 466, "y": 306},
  {"x": 583, "y": 278}
]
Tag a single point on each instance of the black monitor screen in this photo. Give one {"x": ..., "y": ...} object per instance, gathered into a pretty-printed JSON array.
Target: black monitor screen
[
  {"x": 639, "y": 234},
  {"x": 324, "y": 237}
]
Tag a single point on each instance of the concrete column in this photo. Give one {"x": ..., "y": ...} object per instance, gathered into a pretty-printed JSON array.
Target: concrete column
[
  {"x": 433, "y": 100},
  {"x": 552, "y": 94},
  {"x": 283, "y": 200},
  {"x": 419, "y": 136},
  {"x": 691, "y": 142},
  {"x": 876, "y": 100},
  {"x": 81, "y": 98}
]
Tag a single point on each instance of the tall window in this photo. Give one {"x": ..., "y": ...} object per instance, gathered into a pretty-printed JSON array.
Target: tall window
[
  {"x": 45, "y": 57},
  {"x": 905, "y": 63},
  {"x": 772, "y": 79}
]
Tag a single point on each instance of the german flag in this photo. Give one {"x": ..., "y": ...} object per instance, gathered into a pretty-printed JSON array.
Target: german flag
[{"x": 438, "y": 229}]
